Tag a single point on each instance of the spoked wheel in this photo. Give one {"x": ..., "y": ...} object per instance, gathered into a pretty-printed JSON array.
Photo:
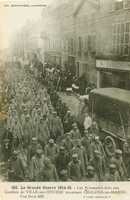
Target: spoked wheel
[{"x": 109, "y": 145}]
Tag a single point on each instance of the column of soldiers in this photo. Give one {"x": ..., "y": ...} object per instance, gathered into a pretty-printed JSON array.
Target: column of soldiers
[{"x": 46, "y": 142}]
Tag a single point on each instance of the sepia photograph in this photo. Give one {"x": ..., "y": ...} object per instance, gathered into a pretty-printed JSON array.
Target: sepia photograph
[{"x": 65, "y": 91}]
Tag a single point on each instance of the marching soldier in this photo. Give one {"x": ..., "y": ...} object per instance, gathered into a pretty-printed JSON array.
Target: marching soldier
[
  {"x": 90, "y": 174},
  {"x": 51, "y": 150},
  {"x": 37, "y": 165},
  {"x": 112, "y": 174},
  {"x": 49, "y": 172},
  {"x": 75, "y": 171},
  {"x": 61, "y": 160},
  {"x": 120, "y": 165}
]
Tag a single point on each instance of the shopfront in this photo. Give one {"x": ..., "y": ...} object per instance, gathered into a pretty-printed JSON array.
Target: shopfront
[{"x": 113, "y": 74}]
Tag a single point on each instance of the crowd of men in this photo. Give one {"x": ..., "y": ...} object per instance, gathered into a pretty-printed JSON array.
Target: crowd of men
[
  {"x": 64, "y": 79},
  {"x": 43, "y": 141}
]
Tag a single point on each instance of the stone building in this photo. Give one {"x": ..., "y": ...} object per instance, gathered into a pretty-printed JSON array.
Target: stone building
[
  {"x": 113, "y": 53},
  {"x": 85, "y": 36},
  {"x": 57, "y": 31},
  {"x": 90, "y": 37}
]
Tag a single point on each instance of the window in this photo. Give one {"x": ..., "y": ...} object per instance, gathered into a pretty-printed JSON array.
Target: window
[
  {"x": 72, "y": 45},
  {"x": 121, "y": 39},
  {"x": 86, "y": 43},
  {"x": 118, "y": 4},
  {"x": 80, "y": 43},
  {"x": 121, "y": 4},
  {"x": 92, "y": 42},
  {"x": 126, "y": 3},
  {"x": 79, "y": 46}
]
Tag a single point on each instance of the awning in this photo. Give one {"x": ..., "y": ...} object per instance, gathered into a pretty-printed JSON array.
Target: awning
[{"x": 113, "y": 65}]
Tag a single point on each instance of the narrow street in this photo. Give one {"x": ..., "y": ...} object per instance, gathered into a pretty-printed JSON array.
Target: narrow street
[{"x": 65, "y": 92}]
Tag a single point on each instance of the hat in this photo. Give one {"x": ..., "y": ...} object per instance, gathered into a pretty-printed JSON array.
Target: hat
[
  {"x": 34, "y": 139},
  {"x": 68, "y": 133},
  {"x": 39, "y": 151},
  {"x": 75, "y": 155},
  {"x": 97, "y": 152},
  {"x": 28, "y": 116},
  {"x": 118, "y": 151},
  {"x": 62, "y": 148},
  {"x": 90, "y": 167},
  {"x": 86, "y": 131},
  {"x": 96, "y": 137},
  {"x": 51, "y": 141},
  {"x": 63, "y": 172},
  {"x": 47, "y": 161},
  {"x": 74, "y": 124},
  {"x": 15, "y": 152},
  {"x": 112, "y": 166}
]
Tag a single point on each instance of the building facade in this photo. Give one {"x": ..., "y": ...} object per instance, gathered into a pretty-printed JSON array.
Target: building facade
[
  {"x": 85, "y": 37},
  {"x": 113, "y": 53},
  {"x": 91, "y": 37},
  {"x": 58, "y": 33}
]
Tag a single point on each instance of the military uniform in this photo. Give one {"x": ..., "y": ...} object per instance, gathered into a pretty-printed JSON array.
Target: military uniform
[
  {"x": 51, "y": 151},
  {"x": 75, "y": 171},
  {"x": 61, "y": 160},
  {"x": 49, "y": 172},
  {"x": 36, "y": 167}
]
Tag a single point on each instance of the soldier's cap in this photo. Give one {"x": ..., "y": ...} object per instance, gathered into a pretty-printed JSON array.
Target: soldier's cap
[
  {"x": 62, "y": 148},
  {"x": 51, "y": 141},
  {"x": 75, "y": 155},
  {"x": 94, "y": 123},
  {"x": 97, "y": 152},
  {"x": 47, "y": 161},
  {"x": 112, "y": 166},
  {"x": 68, "y": 111},
  {"x": 25, "y": 108},
  {"x": 86, "y": 131},
  {"x": 90, "y": 167},
  {"x": 15, "y": 152},
  {"x": 68, "y": 133},
  {"x": 54, "y": 112},
  {"x": 39, "y": 151},
  {"x": 118, "y": 151},
  {"x": 34, "y": 139},
  {"x": 96, "y": 137},
  {"x": 74, "y": 124},
  {"x": 45, "y": 99},
  {"x": 63, "y": 172}
]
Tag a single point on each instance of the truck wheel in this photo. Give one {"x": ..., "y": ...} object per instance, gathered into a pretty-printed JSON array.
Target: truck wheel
[{"x": 109, "y": 145}]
